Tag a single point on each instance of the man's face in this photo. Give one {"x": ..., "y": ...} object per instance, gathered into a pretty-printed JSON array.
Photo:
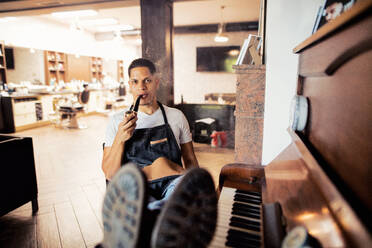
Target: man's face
[{"x": 142, "y": 82}]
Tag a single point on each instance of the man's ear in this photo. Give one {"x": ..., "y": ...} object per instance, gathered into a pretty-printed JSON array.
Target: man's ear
[
  {"x": 157, "y": 81},
  {"x": 130, "y": 87}
]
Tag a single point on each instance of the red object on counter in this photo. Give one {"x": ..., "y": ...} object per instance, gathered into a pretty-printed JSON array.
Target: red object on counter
[{"x": 219, "y": 139}]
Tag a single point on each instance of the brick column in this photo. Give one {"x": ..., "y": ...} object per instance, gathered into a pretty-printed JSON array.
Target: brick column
[{"x": 249, "y": 113}]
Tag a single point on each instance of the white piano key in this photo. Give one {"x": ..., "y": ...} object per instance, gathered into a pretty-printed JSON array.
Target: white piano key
[
  {"x": 228, "y": 201},
  {"x": 225, "y": 205},
  {"x": 224, "y": 225},
  {"x": 227, "y": 215}
]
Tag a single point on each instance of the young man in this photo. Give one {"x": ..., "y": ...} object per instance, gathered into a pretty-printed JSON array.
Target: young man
[{"x": 143, "y": 156}]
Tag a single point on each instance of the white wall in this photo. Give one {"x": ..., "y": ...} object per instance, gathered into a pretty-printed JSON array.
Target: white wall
[
  {"x": 289, "y": 22},
  {"x": 110, "y": 68},
  {"x": 194, "y": 85}
]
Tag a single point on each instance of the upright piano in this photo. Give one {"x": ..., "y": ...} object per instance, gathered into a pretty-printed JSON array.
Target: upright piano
[{"x": 316, "y": 192}]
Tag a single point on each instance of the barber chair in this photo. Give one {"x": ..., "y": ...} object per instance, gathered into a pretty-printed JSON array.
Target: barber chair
[{"x": 69, "y": 111}]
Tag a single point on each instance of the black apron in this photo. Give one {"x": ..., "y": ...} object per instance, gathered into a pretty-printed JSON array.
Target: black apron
[{"x": 148, "y": 144}]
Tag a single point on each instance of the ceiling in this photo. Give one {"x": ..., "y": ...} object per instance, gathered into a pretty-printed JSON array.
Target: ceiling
[{"x": 128, "y": 11}]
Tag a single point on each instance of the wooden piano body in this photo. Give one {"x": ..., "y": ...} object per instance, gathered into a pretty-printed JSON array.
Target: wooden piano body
[{"x": 322, "y": 180}]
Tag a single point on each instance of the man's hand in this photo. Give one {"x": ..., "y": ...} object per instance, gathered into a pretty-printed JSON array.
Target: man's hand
[
  {"x": 111, "y": 161},
  {"x": 126, "y": 127}
]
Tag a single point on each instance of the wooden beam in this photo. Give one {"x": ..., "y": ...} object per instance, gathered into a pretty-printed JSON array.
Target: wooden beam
[
  {"x": 213, "y": 28},
  {"x": 157, "y": 43}
]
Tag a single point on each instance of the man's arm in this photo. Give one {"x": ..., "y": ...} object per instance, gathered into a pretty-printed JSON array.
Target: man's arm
[
  {"x": 111, "y": 161},
  {"x": 188, "y": 155}
]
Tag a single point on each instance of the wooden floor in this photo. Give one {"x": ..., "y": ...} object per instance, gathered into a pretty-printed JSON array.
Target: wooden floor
[{"x": 71, "y": 187}]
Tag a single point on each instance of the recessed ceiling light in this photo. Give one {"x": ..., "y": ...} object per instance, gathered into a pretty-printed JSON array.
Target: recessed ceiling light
[
  {"x": 7, "y": 19},
  {"x": 124, "y": 27},
  {"x": 103, "y": 21},
  {"x": 77, "y": 13},
  {"x": 138, "y": 41}
]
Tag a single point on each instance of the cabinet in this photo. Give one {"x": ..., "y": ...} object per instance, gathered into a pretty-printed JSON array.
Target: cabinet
[
  {"x": 2, "y": 64},
  {"x": 96, "y": 69},
  {"x": 55, "y": 64},
  {"x": 96, "y": 101},
  {"x": 47, "y": 107},
  {"x": 120, "y": 71},
  {"x": 25, "y": 112}
]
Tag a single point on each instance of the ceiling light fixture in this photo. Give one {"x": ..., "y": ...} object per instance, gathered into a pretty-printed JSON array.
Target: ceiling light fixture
[
  {"x": 234, "y": 52},
  {"x": 131, "y": 32},
  {"x": 77, "y": 13},
  {"x": 75, "y": 27},
  {"x": 138, "y": 40},
  {"x": 117, "y": 37},
  {"x": 7, "y": 19},
  {"x": 124, "y": 27},
  {"x": 221, "y": 36},
  {"x": 94, "y": 22}
]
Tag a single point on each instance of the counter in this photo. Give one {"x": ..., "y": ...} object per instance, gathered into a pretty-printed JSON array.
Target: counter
[{"x": 24, "y": 111}]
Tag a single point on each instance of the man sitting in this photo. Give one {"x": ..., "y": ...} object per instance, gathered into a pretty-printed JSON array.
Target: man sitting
[{"x": 152, "y": 194}]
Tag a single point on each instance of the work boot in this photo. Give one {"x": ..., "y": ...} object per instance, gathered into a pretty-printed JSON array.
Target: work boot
[
  {"x": 123, "y": 208},
  {"x": 188, "y": 218}
]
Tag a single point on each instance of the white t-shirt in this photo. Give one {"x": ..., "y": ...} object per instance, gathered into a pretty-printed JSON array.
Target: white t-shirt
[{"x": 176, "y": 120}]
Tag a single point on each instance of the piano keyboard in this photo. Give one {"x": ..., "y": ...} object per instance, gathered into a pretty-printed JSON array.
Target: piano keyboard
[{"x": 239, "y": 221}]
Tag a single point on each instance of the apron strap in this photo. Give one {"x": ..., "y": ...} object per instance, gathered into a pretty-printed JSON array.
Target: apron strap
[{"x": 163, "y": 112}]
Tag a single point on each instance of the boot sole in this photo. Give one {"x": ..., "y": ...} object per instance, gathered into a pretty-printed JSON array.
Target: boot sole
[
  {"x": 123, "y": 207},
  {"x": 188, "y": 219}
]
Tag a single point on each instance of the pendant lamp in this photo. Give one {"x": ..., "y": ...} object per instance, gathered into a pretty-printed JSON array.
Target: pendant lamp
[{"x": 221, "y": 36}]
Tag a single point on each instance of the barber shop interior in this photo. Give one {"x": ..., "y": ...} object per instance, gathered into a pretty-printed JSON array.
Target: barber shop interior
[{"x": 185, "y": 123}]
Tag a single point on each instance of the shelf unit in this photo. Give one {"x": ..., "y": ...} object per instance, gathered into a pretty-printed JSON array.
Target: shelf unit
[
  {"x": 120, "y": 71},
  {"x": 96, "y": 69},
  {"x": 2, "y": 64},
  {"x": 55, "y": 67}
]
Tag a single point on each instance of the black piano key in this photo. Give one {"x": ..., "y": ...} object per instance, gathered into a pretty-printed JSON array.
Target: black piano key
[
  {"x": 241, "y": 206},
  {"x": 245, "y": 213},
  {"x": 247, "y": 199},
  {"x": 243, "y": 237},
  {"x": 244, "y": 224},
  {"x": 250, "y": 196},
  {"x": 252, "y": 222},
  {"x": 248, "y": 192},
  {"x": 240, "y": 235},
  {"x": 235, "y": 244}
]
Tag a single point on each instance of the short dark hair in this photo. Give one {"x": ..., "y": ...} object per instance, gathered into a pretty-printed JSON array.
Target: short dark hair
[{"x": 141, "y": 62}]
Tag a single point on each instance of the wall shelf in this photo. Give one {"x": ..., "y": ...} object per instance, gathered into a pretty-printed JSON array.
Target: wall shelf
[
  {"x": 120, "y": 71},
  {"x": 54, "y": 67},
  {"x": 2, "y": 64},
  {"x": 96, "y": 69}
]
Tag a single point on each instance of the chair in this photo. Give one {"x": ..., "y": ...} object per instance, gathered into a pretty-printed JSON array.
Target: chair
[
  {"x": 70, "y": 113},
  {"x": 18, "y": 184},
  {"x": 84, "y": 96},
  {"x": 71, "y": 109}
]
